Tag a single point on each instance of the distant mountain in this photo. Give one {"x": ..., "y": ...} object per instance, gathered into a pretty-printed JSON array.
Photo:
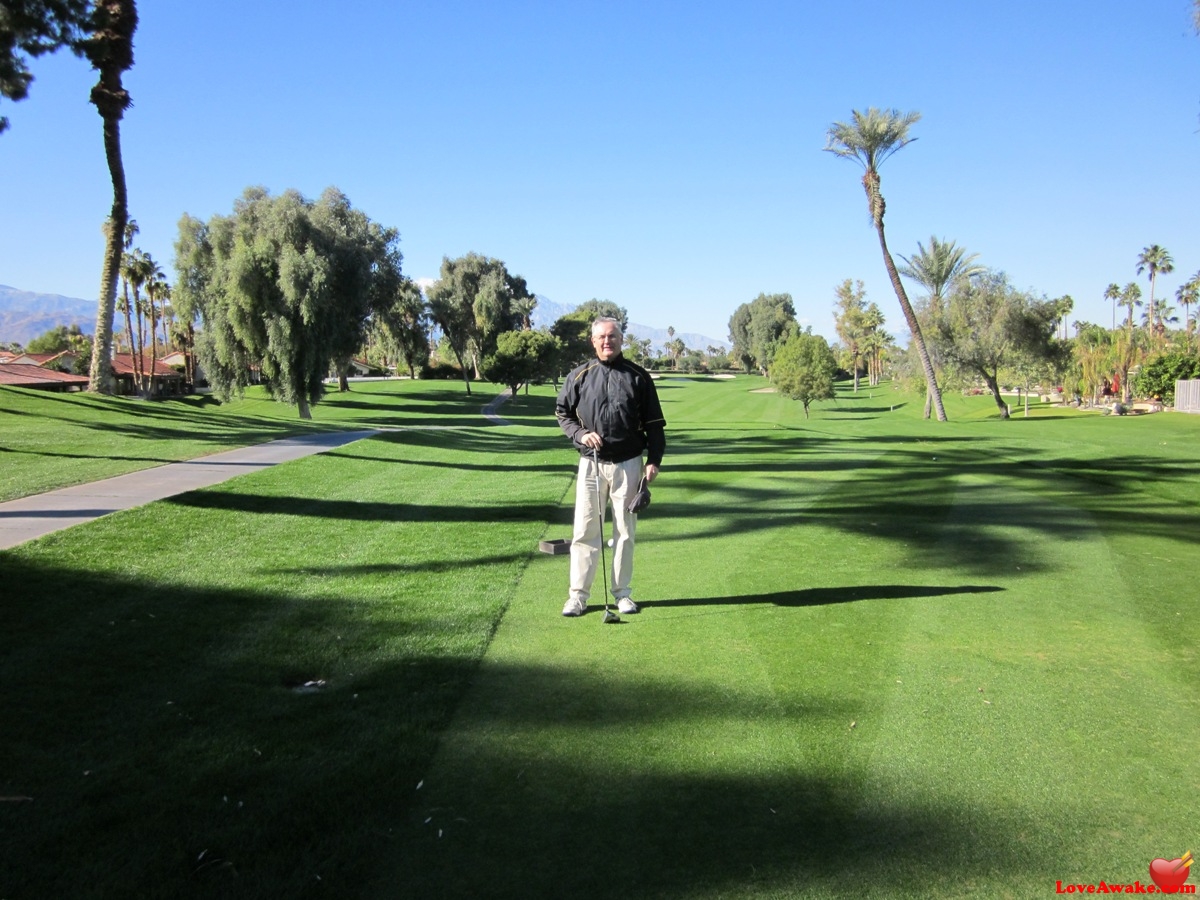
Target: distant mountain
[
  {"x": 547, "y": 312},
  {"x": 25, "y": 315}
]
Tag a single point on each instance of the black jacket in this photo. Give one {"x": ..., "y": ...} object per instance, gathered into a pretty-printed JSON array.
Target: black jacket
[{"x": 617, "y": 400}]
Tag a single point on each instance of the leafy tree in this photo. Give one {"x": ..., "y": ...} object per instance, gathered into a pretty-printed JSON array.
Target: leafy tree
[
  {"x": 739, "y": 336},
  {"x": 62, "y": 338},
  {"x": 1157, "y": 377},
  {"x": 1154, "y": 260},
  {"x": 935, "y": 270},
  {"x": 803, "y": 369},
  {"x": 286, "y": 284},
  {"x": 758, "y": 327},
  {"x": 595, "y": 309},
  {"x": 472, "y": 303},
  {"x": 849, "y": 317},
  {"x": 987, "y": 326},
  {"x": 404, "y": 324},
  {"x": 636, "y": 348},
  {"x": 522, "y": 357},
  {"x": 875, "y": 342},
  {"x": 869, "y": 140},
  {"x": 1093, "y": 349}
]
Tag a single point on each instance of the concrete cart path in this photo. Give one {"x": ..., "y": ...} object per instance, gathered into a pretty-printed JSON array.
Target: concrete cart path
[{"x": 31, "y": 517}]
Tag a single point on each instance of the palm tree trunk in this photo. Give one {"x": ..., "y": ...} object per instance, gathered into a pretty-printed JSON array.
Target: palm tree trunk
[
  {"x": 100, "y": 375},
  {"x": 910, "y": 317},
  {"x": 110, "y": 51},
  {"x": 153, "y": 345}
]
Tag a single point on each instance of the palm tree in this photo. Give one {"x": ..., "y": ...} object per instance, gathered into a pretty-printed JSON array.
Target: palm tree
[
  {"x": 522, "y": 308},
  {"x": 136, "y": 270},
  {"x": 1131, "y": 296},
  {"x": 869, "y": 140},
  {"x": 935, "y": 269},
  {"x": 1156, "y": 260},
  {"x": 939, "y": 266},
  {"x": 1113, "y": 293},
  {"x": 1189, "y": 293},
  {"x": 108, "y": 45},
  {"x": 156, "y": 289}
]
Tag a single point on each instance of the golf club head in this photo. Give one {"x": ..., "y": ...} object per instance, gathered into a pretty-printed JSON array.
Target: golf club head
[{"x": 610, "y": 618}]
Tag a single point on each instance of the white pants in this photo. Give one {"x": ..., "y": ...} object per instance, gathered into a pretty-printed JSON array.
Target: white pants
[{"x": 618, "y": 482}]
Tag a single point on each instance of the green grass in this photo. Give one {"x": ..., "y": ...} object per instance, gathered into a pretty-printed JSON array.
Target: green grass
[
  {"x": 49, "y": 441},
  {"x": 876, "y": 656}
]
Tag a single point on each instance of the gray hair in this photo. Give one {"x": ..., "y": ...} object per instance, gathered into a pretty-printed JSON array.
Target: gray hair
[{"x": 605, "y": 320}]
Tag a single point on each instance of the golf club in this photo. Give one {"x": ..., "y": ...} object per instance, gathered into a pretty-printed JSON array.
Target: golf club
[{"x": 610, "y": 617}]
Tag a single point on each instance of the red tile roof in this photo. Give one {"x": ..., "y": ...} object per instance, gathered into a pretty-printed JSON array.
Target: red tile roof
[
  {"x": 122, "y": 364},
  {"x": 23, "y": 375}
]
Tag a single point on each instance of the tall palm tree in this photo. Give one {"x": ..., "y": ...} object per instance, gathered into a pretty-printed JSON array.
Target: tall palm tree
[
  {"x": 1113, "y": 293},
  {"x": 869, "y": 140},
  {"x": 1156, "y": 260},
  {"x": 136, "y": 270},
  {"x": 157, "y": 290},
  {"x": 1189, "y": 293},
  {"x": 1131, "y": 296},
  {"x": 108, "y": 45}
]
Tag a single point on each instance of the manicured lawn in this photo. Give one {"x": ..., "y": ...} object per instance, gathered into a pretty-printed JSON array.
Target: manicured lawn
[
  {"x": 876, "y": 656},
  {"x": 49, "y": 441}
]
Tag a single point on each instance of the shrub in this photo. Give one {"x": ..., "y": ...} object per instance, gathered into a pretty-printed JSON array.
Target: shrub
[{"x": 1157, "y": 378}]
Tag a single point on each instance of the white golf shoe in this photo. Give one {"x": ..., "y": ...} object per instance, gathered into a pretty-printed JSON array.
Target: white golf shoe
[
  {"x": 574, "y": 608},
  {"x": 626, "y": 607}
]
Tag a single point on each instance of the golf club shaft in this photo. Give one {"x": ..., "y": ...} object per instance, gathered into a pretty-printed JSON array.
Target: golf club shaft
[{"x": 600, "y": 513}]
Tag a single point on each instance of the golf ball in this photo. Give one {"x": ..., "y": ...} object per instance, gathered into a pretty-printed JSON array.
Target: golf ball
[{"x": 610, "y": 542}]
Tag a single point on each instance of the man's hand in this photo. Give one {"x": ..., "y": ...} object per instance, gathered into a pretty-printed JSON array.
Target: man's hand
[
  {"x": 592, "y": 439},
  {"x": 651, "y": 473}
]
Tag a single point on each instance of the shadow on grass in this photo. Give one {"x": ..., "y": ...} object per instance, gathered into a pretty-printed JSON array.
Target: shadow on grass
[
  {"x": 831, "y": 595},
  {"x": 366, "y": 510},
  {"x": 175, "y": 751}
]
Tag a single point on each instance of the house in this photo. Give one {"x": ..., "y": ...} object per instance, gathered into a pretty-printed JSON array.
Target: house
[
  {"x": 177, "y": 360},
  {"x": 63, "y": 361},
  {"x": 31, "y": 376},
  {"x": 168, "y": 382}
]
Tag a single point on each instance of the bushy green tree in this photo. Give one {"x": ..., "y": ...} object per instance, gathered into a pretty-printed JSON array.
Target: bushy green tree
[
  {"x": 472, "y": 303},
  {"x": 284, "y": 284},
  {"x": 1157, "y": 377},
  {"x": 404, "y": 323},
  {"x": 803, "y": 369},
  {"x": 759, "y": 327},
  {"x": 987, "y": 326},
  {"x": 522, "y": 357}
]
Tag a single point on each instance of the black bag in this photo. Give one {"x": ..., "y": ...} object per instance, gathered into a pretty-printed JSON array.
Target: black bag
[{"x": 639, "y": 500}]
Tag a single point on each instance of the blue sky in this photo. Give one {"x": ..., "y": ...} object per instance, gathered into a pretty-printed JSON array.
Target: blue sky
[{"x": 663, "y": 155}]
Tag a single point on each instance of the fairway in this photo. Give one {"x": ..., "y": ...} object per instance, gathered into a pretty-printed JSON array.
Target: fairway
[{"x": 876, "y": 656}]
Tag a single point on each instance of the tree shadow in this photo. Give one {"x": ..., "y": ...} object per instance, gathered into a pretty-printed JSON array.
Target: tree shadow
[{"x": 829, "y": 595}]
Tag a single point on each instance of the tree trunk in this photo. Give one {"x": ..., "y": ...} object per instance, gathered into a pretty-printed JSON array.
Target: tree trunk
[
  {"x": 913, "y": 325},
  {"x": 994, "y": 387},
  {"x": 100, "y": 375},
  {"x": 153, "y": 347},
  {"x": 110, "y": 51},
  {"x": 302, "y": 405}
]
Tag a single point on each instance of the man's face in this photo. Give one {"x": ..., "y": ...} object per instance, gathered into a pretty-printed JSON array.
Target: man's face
[{"x": 607, "y": 341}]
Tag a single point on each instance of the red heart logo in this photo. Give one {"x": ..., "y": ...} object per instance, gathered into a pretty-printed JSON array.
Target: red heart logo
[{"x": 1169, "y": 876}]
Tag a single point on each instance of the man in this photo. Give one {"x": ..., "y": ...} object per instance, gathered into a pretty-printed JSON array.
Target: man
[{"x": 608, "y": 407}]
